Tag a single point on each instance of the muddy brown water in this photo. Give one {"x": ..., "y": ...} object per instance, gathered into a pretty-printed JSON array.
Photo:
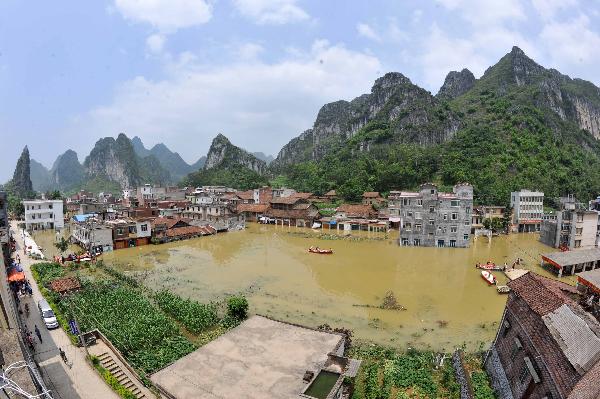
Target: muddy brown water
[{"x": 447, "y": 302}]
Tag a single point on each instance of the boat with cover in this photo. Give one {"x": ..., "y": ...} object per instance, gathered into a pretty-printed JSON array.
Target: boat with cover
[
  {"x": 488, "y": 277},
  {"x": 317, "y": 250},
  {"x": 489, "y": 266}
]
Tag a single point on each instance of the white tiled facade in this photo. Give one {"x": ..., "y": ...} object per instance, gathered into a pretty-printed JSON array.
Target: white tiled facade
[
  {"x": 528, "y": 210},
  {"x": 43, "y": 214}
]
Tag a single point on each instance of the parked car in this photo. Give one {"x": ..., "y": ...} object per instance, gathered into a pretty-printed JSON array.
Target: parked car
[{"x": 47, "y": 314}]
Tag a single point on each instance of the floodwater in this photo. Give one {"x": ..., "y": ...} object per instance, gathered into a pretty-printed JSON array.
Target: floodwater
[{"x": 447, "y": 302}]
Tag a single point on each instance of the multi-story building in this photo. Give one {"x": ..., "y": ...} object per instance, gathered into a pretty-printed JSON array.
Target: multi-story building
[
  {"x": 528, "y": 210},
  {"x": 4, "y": 227},
  {"x": 130, "y": 233},
  {"x": 430, "y": 218},
  {"x": 43, "y": 214},
  {"x": 93, "y": 235},
  {"x": 548, "y": 344},
  {"x": 574, "y": 226},
  {"x": 210, "y": 206}
]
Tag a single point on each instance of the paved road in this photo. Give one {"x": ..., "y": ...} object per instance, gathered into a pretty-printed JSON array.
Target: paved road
[{"x": 78, "y": 379}]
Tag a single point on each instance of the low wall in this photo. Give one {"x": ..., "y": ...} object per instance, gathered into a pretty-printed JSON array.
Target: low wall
[{"x": 462, "y": 377}]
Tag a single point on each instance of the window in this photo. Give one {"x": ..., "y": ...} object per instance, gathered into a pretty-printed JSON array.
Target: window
[
  {"x": 577, "y": 243},
  {"x": 445, "y": 216},
  {"x": 505, "y": 327},
  {"x": 455, "y": 203},
  {"x": 418, "y": 226},
  {"x": 466, "y": 237},
  {"x": 454, "y": 216},
  {"x": 431, "y": 222},
  {"x": 405, "y": 242},
  {"x": 453, "y": 229},
  {"x": 579, "y": 230},
  {"x": 50, "y": 206},
  {"x": 452, "y": 243},
  {"x": 420, "y": 202},
  {"x": 410, "y": 214},
  {"x": 417, "y": 215},
  {"x": 405, "y": 201},
  {"x": 516, "y": 348},
  {"x": 417, "y": 242},
  {"x": 432, "y": 191},
  {"x": 468, "y": 210},
  {"x": 532, "y": 370},
  {"x": 523, "y": 374},
  {"x": 431, "y": 209},
  {"x": 467, "y": 223},
  {"x": 407, "y": 226},
  {"x": 440, "y": 243},
  {"x": 119, "y": 230},
  {"x": 131, "y": 229},
  {"x": 580, "y": 217},
  {"x": 144, "y": 227}
]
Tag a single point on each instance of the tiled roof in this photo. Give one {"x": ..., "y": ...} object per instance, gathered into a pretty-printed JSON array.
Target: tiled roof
[
  {"x": 588, "y": 386},
  {"x": 370, "y": 194},
  {"x": 285, "y": 200},
  {"x": 65, "y": 284},
  {"x": 542, "y": 294},
  {"x": 257, "y": 208},
  {"x": 245, "y": 195},
  {"x": 575, "y": 338},
  {"x": 574, "y": 257},
  {"x": 309, "y": 213},
  {"x": 303, "y": 195},
  {"x": 169, "y": 222},
  {"x": 357, "y": 211},
  {"x": 189, "y": 230}
]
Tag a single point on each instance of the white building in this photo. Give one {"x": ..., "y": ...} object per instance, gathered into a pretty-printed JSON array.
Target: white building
[
  {"x": 43, "y": 214},
  {"x": 528, "y": 210}
]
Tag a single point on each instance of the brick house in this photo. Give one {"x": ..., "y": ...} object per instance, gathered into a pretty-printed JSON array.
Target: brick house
[
  {"x": 292, "y": 211},
  {"x": 173, "y": 229},
  {"x": 547, "y": 345}
]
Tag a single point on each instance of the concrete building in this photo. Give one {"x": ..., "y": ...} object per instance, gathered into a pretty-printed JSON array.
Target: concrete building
[
  {"x": 92, "y": 234},
  {"x": 4, "y": 226},
  {"x": 574, "y": 226},
  {"x": 528, "y": 210},
  {"x": 571, "y": 262},
  {"x": 43, "y": 214},
  {"x": 431, "y": 218},
  {"x": 547, "y": 345},
  {"x": 262, "y": 358}
]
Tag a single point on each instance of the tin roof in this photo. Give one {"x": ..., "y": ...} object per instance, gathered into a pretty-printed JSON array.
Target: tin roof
[{"x": 573, "y": 257}]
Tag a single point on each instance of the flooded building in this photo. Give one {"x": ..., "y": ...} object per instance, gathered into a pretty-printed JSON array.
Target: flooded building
[
  {"x": 372, "y": 198},
  {"x": 547, "y": 345},
  {"x": 91, "y": 234},
  {"x": 44, "y": 214},
  {"x": 262, "y": 358},
  {"x": 127, "y": 233},
  {"x": 431, "y": 218},
  {"x": 571, "y": 262},
  {"x": 528, "y": 209},
  {"x": 292, "y": 211},
  {"x": 574, "y": 226}
]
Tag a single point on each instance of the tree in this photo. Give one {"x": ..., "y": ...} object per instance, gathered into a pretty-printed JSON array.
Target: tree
[
  {"x": 61, "y": 244},
  {"x": 53, "y": 195}
]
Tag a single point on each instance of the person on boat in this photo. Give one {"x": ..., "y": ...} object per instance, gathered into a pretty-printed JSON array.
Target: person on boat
[
  {"x": 477, "y": 265},
  {"x": 505, "y": 266}
]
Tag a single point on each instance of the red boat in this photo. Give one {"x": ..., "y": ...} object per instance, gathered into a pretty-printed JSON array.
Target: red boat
[
  {"x": 488, "y": 277},
  {"x": 317, "y": 250},
  {"x": 489, "y": 266}
]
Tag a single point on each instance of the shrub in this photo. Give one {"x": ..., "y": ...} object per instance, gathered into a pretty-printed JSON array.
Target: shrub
[{"x": 237, "y": 307}]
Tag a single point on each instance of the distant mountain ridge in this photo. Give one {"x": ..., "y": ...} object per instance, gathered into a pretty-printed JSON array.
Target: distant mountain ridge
[{"x": 169, "y": 160}]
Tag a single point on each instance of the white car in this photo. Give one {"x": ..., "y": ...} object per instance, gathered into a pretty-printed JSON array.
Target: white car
[{"x": 47, "y": 314}]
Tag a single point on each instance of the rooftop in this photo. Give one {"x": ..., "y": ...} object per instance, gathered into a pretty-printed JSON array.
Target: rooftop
[
  {"x": 591, "y": 278},
  {"x": 261, "y": 358},
  {"x": 567, "y": 258}
]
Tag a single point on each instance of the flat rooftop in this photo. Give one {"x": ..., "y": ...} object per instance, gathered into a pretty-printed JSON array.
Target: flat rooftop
[
  {"x": 261, "y": 358},
  {"x": 568, "y": 258}
]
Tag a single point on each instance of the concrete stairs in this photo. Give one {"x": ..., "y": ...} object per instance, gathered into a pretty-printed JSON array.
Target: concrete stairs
[{"x": 107, "y": 361}]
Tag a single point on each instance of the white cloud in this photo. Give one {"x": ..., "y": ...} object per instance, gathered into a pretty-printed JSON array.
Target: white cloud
[
  {"x": 259, "y": 105},
  {"x": 274, "y": 12},
  {"x": 572, "y": 42},
  {"x": 416, "y": 16},
  {"x": 155, "y": 43},
  {"x": 166, "y": 15},
  {"x": 365, "y": 30},
  {"x": 249, "y": 51},
  {"x": 479, "y": 12},
  {"x": 547, "y": 9}
]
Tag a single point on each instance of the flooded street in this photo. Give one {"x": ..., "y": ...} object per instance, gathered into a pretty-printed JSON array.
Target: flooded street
[{"x": 447, "y": 303}]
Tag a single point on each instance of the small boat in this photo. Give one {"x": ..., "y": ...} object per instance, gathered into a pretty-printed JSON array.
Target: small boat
[
  {"x": 489, "y": 266},
  {"x": 317, "y": 250},
  {"x": 488, "y": 277},
  {"x": 503, "y": 289}
]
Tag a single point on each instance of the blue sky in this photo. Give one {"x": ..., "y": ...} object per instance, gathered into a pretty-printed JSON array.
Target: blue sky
[{"x": 181, "y": 71}]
